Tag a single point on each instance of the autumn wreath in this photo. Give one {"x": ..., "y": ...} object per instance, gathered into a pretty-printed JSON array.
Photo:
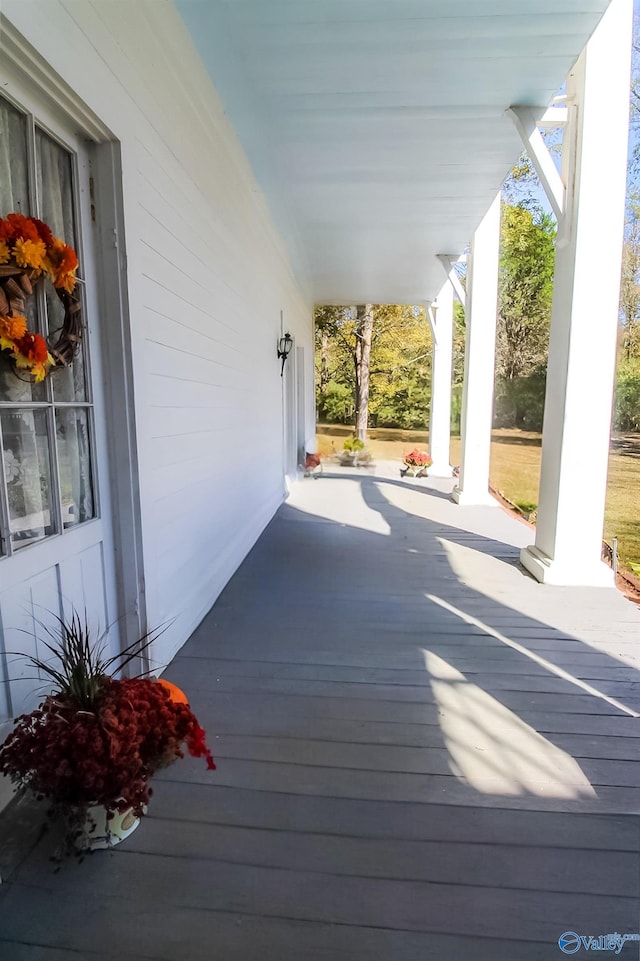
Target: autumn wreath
[{"x": 29, "y": 253}]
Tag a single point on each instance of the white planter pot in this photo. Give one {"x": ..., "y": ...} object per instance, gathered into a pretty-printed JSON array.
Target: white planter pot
[
  {"x": 100, "y": 832},
  {"x": 408, "y": 471}
]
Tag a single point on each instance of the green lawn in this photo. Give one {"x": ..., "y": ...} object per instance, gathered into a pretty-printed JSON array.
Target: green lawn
[{"x": 515, "y": 472}]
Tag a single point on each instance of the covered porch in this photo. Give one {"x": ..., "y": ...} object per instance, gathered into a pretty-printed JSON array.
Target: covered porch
[
  {"x": 381, "y": 135},
  {"x": 423, "y": 753},
  {"x": 238, "y": 163}
]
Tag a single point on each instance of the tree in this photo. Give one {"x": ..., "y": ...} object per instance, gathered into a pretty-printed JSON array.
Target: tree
[
  {"x": 525, "y": 292},
  {"x": 522, "y": 185},
  {"x": 627, "y": 396},
  {"x": 626, "y": 413},
  {"x": 362, "y": 361},
  {"x": 630, "y": 283},
  {"x": 629, "y": 287},
  {"x": 373, "y": 365},
  {"x": 457, "y": 378},
  {"x": 334, "y": 363},
  {"x": 634, "y": 101},
  {"x": 626, "y": 416}
]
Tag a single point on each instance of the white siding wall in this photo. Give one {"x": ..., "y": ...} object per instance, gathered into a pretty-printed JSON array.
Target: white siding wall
[{"x": 207, "y": 279}]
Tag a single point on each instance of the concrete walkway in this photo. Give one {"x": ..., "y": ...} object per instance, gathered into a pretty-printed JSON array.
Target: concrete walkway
[{"x": 423, "y": 754}]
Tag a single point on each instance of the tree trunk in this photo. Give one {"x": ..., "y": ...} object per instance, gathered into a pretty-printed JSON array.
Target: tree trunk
[
  {"x": 324, "y": 362},
  {"x": 364, "y": 331}
]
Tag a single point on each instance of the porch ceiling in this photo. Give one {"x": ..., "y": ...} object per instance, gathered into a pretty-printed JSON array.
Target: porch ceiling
[{"x": 377, "y": 128}]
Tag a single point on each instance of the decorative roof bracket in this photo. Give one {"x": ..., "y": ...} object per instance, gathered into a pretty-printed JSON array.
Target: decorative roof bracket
[
  {"x": 431, "y": 317},
  {"x": 449, "y": 261},
  {"x": 528, "y": 121}
]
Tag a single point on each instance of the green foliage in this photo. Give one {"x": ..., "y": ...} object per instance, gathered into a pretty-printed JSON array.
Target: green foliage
[
  {"x": 626, "y": 415},
  {"x": 527, "y": 507},
  {"x": 456, "y": 408},
  {"x": 522, "y": 188},
  {"x": 634, "y": 104},
  {"x": 520, "y": 402},
  {"x": 630, "y": 284},
  {"x": 525, "y": 293},
  {"x": 403, "y": 404},
  {"x": 400, "y": 366},
  {"x": 459, "y": 333},
  {"x": 457, "y": 374},
  {"x": 629, "y": 339},
  {"x": 353, "y": 444},
  {"x": 527, "y": 259},
  {"x": 335, "y": 404}
]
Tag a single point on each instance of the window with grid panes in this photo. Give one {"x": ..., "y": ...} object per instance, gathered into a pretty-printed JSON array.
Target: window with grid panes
[{"x": 46, "y": 471}]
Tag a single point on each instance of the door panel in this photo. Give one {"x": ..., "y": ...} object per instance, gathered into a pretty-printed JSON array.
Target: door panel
[
  {"x": 26, "y": 610},
  {"x": 76, "y": 583},
  {"x": 83, "y": 587},
  {"x": 72, "y": 567}
]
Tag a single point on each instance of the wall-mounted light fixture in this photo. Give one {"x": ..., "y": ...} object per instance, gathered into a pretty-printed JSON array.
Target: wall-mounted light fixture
[{"x": 284, "y": 349}]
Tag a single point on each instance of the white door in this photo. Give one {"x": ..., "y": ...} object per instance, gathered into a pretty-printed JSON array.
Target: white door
[
  {"x": 56, "y": 550},
  {"x": 300, "y": 408},
  {"x": 290, "y": 412}
]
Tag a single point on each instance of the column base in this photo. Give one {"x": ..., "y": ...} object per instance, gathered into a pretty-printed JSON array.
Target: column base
[
  {"x": 473, "y": 499},
  {"x": 574, "y": 574},
  {"x": 440, "y": 469}
]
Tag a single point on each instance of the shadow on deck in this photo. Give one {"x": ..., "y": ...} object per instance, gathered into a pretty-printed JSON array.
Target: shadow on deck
[{"x": 423, "y": 754}]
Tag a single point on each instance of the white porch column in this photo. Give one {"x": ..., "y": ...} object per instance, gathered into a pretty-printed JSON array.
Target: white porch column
[
  {"x": 479, "y": 362},
  {"x": 582, "y": 348},
  {"x": 441, "y": 360}
]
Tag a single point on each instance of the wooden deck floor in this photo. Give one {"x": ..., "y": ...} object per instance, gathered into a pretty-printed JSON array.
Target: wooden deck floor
[{"x": 423, "y": 754}]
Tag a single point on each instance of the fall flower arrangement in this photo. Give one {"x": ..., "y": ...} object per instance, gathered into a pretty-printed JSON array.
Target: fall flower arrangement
[
  {"x": 97, "y": 739},
  {"x": 418, "y": 458},
  {"x": 29, "y": 252},
  {"x": 312, "y": 464},
  {"x": 416, "y": 463}
]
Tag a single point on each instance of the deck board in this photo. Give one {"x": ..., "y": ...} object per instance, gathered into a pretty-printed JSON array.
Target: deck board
[{"x": 423, "y": 754}]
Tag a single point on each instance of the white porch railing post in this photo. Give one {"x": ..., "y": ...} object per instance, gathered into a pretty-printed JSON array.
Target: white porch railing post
[
  {"x": 479, "y": 361},
  {"x": 580, "y": 374},
  {"x": 442, "y": 355}
]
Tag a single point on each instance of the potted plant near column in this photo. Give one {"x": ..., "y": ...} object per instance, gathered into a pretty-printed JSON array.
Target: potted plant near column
[
  {"x": 354, "y": 453},
  {"x": 416, "y": 463},
  {"x": 94, "y": 743}
]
